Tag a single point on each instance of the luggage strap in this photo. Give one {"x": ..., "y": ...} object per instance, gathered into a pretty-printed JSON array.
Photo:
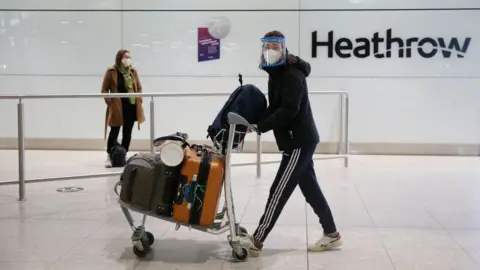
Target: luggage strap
[
  {"x": 158, "y": 141},
  {"x": 133, "y": 174},
  {"x": 115, "y": 188},
  {"x": 200, "y": 187}
]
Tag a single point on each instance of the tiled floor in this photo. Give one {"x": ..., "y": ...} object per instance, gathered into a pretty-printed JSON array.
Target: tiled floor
[{"x": 394, "y": 213}]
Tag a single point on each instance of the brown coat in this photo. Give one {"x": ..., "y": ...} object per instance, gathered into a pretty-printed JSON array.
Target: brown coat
[{"x": 114, "y": 115}]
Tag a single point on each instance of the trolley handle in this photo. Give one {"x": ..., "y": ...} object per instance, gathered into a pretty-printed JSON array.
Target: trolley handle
[{"x": 236, "y": 119}]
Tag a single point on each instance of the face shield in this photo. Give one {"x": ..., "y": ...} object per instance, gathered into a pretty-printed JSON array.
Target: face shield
[{"x": 274, "y": 51}]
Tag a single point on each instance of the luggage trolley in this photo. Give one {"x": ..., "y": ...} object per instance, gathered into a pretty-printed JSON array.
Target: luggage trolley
[{"x": 143, "y": 240}]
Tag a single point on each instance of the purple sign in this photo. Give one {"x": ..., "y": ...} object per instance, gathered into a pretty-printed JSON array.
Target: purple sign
[{"x": 208, "y": 46}]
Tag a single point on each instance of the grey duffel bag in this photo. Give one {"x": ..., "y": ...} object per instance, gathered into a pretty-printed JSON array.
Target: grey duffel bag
[
  {"x": 148, "y": 184},
  {"x": 138, "y": 180}
]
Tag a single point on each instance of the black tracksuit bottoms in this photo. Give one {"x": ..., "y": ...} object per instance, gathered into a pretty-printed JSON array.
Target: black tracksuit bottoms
[{"x": 296, "y": 168}]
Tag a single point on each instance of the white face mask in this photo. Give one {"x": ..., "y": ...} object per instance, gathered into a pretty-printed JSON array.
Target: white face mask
[
  {"x": 271, "y": 56},
  {"x": 127, "y": 62}
]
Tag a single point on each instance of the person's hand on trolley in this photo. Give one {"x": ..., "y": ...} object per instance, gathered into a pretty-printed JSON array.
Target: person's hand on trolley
[{"x": 253, "y": 128}]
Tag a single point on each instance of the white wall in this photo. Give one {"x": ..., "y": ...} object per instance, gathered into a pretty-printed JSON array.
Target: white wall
[{"x": 395, "y": 100}]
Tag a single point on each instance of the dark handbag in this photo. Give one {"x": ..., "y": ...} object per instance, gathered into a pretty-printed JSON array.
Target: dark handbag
[{"x": 118, "y": 155}]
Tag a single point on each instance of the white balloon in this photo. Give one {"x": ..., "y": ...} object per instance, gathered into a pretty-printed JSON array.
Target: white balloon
[
  {"x": 171, "y": 153},
  {"x": 219, "y": 27}
]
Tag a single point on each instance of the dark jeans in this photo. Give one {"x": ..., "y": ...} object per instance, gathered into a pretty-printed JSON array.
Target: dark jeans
[
  {"x": 295, "y": 169},
  {"x": 126, "y": 135}
]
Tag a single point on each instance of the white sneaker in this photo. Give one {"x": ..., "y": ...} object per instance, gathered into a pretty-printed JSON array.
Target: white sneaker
[
  {"x": 108, "y": 163},
  {"x": 255, "y": 247},
  {"x": 326, "y": 243}
]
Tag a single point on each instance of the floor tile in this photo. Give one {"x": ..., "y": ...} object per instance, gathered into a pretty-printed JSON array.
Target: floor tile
[
  {"x": 425, "y": 249},
  {"x": 124, "y": 265},
  {"x": 100, "y": 251},
  {"x": 459, "y": 219},
  {"x": 35, "y": 249},
  {"x": 469, "y": 240},
  {"x": 120, "y": 229},
  {"x": 362, "y": 249},
  {"x": 431, "y": 259},
  {"x": 391, "y": 212},
  {"x": 418, "y": 238},
  {"x": 23, "y": 266},
  {"x": 281, "y": 259},
  {"x": 284, "y": 248},
  {"x": 180, "y": 264},
  {"x": 404, "y": 218},
  {"x": 185, "y": 249},
  {"x": 46, "y": 228}
]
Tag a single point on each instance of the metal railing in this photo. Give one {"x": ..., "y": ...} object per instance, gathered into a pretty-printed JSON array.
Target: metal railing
[{"x": 342, "y": 152}]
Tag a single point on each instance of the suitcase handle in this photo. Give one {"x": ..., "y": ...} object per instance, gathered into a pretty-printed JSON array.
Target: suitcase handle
[{"x": 179, "y": 138}]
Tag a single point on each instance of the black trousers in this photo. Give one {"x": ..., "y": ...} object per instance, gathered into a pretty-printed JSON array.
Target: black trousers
[
  {"x": 296, "y": 168},
  {"x": 129, "y": 118}
]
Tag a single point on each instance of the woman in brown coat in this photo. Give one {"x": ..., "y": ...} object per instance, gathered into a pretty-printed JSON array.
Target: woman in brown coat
[{"x": 122, "y": 112}]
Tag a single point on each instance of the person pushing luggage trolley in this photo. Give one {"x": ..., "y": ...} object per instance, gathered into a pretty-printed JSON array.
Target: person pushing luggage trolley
[
  {"x": 182, "y": 182},
  {"x": 290, "y": 117}
]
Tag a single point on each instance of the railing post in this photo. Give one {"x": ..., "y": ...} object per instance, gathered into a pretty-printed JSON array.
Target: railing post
[
  {"x": 259, "y": 156},
  {"x": 152, "y": 124},
  {"x": 347, "y": 124},
  {"x": 21, "y": 152},
  {"x": 340, "y": 140}
]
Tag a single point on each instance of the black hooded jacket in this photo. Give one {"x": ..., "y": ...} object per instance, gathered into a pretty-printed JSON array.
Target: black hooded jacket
[{"x": 289, "y": 114}]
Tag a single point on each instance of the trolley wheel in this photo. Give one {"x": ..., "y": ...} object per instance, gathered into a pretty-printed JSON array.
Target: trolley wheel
[
  {"x": 151, "y": 238},
  {"x": 240, "y": 257},
  {"x": 141, "y": 253}
]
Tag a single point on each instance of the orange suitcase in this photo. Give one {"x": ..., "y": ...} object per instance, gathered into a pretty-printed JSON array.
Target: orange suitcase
[{"x": 199, "y": 194}]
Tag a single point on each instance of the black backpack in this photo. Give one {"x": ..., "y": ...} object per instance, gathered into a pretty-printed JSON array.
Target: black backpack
[
  {"x": 247, "y": 101},
  {"x": 118, "y": 155}
]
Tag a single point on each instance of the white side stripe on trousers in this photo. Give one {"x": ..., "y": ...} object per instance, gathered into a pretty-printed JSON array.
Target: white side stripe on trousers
[{"x": 287, "y": 173}]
